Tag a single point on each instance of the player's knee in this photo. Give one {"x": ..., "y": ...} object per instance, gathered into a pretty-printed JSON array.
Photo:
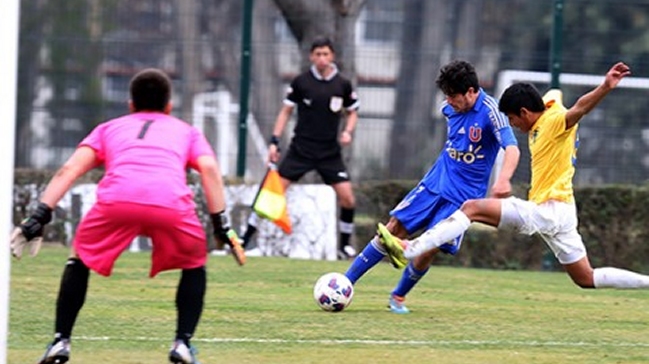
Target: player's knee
[
  {"x": 470, "y": 207},
  {"x": 583, "y": 280},
  {"x": 347, "y": 202},
  {"x": 396, "y": 228},
  {"x": 584, "y": 284},
  {"x": 581, "y": 273}
]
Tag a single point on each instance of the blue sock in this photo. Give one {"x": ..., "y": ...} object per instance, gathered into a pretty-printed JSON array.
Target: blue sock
[
  {"x": 369, "y": 257},
  {"x": 408, "y": 280}
]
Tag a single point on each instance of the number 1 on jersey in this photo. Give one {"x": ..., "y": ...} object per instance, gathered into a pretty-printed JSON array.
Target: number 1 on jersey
[{"x": 144, "y": 129}]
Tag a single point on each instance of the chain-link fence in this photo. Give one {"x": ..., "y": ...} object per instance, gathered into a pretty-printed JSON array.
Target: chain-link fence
[{"x": 77, "y": 56}]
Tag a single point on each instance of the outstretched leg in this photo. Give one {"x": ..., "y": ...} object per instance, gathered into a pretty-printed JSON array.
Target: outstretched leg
[
  {"x": 585, "y": 276},
  {"x": 373, "y": 252},
  {"x": 487, "y": 211}
]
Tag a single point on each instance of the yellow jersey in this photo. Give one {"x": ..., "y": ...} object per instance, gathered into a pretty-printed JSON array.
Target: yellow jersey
[{"x": 553, "y": 151}]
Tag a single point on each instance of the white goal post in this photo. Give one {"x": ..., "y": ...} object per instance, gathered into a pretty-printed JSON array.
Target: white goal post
[{"x": 8, "y": 78}]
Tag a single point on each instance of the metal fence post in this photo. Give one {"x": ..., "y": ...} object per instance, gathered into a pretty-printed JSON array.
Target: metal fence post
[
  {"x": 556, "y": 43},
  {"x": 244, "y": 85}
]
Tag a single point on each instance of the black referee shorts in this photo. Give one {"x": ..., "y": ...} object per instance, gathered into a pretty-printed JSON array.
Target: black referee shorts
[{"x": 331, "y": 169}]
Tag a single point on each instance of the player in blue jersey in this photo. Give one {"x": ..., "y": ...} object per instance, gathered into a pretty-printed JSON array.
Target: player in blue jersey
[{"x": 476, "y": 133}]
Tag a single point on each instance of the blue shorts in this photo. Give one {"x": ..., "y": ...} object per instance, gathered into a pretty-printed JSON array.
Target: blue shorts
[{"x": 422, "y": 209}]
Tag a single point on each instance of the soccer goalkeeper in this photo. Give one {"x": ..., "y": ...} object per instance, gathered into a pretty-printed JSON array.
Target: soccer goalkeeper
[{"x": 143, "y": 192}]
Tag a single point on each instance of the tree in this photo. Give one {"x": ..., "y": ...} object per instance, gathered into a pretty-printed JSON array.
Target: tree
[
  {"x": 190, "y": 56},
  {"x": 424, "y": 38},
  {"x": 77, "y": 100},
  {"x": 267, "y": 87},
  {"x": 335, "y": 19},
  {"x": 221, "y": 24},
  {"x": 32, "y": 18}
]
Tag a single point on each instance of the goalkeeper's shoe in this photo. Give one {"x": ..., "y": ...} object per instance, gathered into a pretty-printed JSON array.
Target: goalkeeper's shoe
[
  {"x": 57, "y": 352},
  {"x": 396, "y": 305},
  {"x": 393, "y": 247},
  {"x": 182, "y": 353}
]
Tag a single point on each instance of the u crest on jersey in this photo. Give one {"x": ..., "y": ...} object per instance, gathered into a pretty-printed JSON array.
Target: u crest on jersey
[
  {"x": 336, "y": 103},
  {"x": 475, "y": 134}
]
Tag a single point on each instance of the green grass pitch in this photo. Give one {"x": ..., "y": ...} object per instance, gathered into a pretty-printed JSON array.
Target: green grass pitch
[{"x": 264, "y": 313}]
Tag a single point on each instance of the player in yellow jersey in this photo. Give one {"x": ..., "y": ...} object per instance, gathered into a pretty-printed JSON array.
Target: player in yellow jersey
[{"x": 550, "y": 210}]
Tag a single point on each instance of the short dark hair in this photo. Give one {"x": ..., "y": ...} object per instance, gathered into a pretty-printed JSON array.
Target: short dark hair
[
  {"x": 322, "y": 42},
  {"x": 150, "y": 90},
  {"x": 457, "y": 77},
  {"x": 521, "y": 95}
]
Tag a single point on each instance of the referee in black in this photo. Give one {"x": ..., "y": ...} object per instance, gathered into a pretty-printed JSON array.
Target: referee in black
[{"x": 322, "y": 97}]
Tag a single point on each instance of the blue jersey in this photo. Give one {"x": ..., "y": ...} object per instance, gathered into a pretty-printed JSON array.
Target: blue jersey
[{"x": 462, "y": 170}]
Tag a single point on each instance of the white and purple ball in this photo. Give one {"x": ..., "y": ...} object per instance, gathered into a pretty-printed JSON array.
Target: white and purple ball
[{"x": 333, "y": 292}]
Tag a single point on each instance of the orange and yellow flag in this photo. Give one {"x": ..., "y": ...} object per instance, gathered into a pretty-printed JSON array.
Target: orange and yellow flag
[{"x": 270, "y": 202}]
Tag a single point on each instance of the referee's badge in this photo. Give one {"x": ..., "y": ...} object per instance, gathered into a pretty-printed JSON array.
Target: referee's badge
[{"x": 336, "y": 103}]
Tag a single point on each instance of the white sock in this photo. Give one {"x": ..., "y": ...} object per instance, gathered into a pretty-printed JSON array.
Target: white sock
[
  {"x": 609, "y": 277},
  {"x": 378, "y": 246},
  {"x": 445, "y": 231}
]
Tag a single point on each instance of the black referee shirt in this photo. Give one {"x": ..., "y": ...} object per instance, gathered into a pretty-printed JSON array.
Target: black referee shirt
[{"x": 320, "y": 105}]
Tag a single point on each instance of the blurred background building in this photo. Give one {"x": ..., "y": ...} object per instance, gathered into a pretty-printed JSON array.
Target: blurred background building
[{"x": 77, "y": 57}]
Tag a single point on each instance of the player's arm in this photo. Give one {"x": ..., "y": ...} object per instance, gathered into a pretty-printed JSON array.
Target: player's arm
[
  {"x": 213, "y": 187},
  {"x": 350, "y": 125},
  {"x": 282, "y": 119},
  {"x": 502, "y": 187},
  {"x": 589, "y": 100},
  {"x": 278, "y": 129},
  {"x": 351, "y": 104},
  {"x": 212, "y": 183},
  {"x": 82, "y": 160},
  {"x": 30, "y": 231}
]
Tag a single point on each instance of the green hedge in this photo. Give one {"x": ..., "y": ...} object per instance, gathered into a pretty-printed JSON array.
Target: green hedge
[{"x": 614, "y": 223}]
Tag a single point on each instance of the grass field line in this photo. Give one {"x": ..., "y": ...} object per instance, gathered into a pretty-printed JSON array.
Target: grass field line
[{"x": 520, "y": 343}]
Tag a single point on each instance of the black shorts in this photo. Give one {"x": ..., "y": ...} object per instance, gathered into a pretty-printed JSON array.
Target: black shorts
[{"x": 331, "y": 169}]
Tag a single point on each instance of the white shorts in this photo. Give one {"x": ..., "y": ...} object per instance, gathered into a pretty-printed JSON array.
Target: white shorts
[{"x": 554, "y": 221}]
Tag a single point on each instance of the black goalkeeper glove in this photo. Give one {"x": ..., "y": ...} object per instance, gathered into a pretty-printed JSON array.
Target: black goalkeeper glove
[
  {"x": 224, "y": 234},
  {"x": 30, "y": 231}
]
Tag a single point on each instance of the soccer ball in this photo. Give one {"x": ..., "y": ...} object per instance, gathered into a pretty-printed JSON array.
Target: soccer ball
[{"x": 333, "y": 292}]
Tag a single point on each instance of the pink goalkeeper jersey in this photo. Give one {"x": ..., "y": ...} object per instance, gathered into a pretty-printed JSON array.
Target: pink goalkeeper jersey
[{"x": 146, "y": 155}]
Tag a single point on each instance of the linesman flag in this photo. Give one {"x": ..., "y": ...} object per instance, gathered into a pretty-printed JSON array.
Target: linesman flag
[{"x": 270, "y": 201}]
